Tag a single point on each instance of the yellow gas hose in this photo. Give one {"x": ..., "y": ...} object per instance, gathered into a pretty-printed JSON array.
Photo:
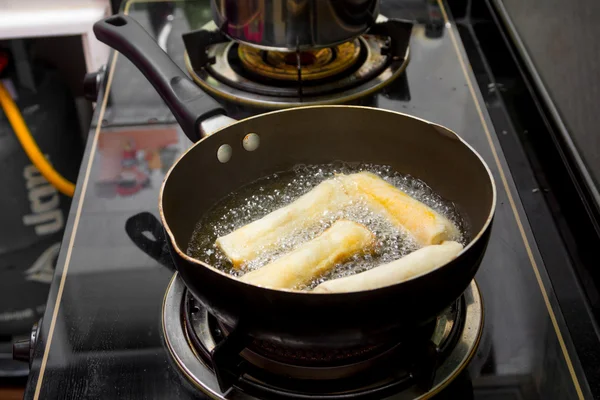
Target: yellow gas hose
[{"x": 30, "y": 146}]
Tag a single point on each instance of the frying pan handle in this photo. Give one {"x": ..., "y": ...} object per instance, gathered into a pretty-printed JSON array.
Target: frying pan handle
[
  {"x": 146, "y": 231},
  {"x": 187, "y": 101}
]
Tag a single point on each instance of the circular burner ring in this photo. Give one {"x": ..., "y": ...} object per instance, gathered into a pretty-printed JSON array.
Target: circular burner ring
[
  {"x": 228, "y": 69},
  {"x": 315, "y": 64},
  {"x": 201, "y": 375},
  {"x": 325, "y": 358},
  {"x": 273, "y": 361},
  {"x": 223, "y": 82},
  {"x": 264, "y": 353}
]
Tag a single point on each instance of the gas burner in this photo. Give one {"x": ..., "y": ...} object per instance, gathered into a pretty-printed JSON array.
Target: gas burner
[
  {"x": 314, "y": 64},
  {"x": 424, "y": 363},
  {"x": 345, "y": 73}
]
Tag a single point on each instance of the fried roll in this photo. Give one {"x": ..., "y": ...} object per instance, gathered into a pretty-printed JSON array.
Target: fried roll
[
  {"x": 427, "y": 226},
  {"x": 419, "y": 262},
  {"x": 248, "y": 242},
  {"x": 314, "y": 258}
]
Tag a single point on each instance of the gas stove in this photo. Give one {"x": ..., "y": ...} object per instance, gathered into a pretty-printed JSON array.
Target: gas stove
[
  {"x": 421, "y": 363},
  {"x": 348, "y": 73},
  {"x": 120, "y": 325}
]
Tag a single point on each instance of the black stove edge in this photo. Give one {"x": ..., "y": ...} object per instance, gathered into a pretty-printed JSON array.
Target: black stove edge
[
  {"x": 548, "y": 182},
  {"x": 588, "y": 188},
  {"x": 44, "y": 339},
  {"x": 571, "y": 195}
]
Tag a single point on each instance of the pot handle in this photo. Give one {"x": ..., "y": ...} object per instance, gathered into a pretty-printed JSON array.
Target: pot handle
[
  {"x": 141, "y": 228},
  {"x": 185, "y": 99}
]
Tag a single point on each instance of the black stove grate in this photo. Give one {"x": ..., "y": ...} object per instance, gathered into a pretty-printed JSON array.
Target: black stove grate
[
  {"x": 197, "y": 43},
  {"x": 414, "y": 360}
]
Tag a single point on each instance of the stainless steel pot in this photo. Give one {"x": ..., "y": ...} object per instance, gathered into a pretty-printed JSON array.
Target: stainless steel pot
[{"x": 288, "y": 25}]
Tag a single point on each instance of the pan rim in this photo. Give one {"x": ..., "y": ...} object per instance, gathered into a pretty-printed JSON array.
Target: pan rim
[{"x": 199, "y": 263}]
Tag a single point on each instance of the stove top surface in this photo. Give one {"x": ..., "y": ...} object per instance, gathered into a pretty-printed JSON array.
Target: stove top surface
[{"x": 101, "y": 336}]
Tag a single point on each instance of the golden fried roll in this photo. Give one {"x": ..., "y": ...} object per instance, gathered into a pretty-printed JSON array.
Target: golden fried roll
[
  {"x": 314, "y": 258},
  {"x": 249, "y": 241},
  {"x": 426, "y": 225},
  {"x": 419, "y": 262}
]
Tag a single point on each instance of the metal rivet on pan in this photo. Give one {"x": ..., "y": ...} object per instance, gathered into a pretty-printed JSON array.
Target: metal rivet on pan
[
  {"x": 224, "y": 153},
  {"x": 251, "y": 141}
]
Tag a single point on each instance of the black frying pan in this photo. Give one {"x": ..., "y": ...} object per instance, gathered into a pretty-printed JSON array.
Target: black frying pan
[{"x": 308, "y": 135}]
